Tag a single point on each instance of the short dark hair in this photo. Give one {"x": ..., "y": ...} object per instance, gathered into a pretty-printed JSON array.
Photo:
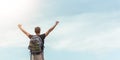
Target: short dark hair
[{"x": 37, "y": 29}]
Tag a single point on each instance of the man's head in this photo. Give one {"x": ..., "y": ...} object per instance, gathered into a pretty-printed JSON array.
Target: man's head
[{"x": 37, "y": 30}]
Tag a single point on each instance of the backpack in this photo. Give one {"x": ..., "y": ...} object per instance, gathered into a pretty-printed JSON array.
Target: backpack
[{"x": 36, "y": 44}]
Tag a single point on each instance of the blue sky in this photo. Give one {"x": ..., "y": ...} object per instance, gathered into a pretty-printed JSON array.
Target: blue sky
[{"x": 88, "y": 29}]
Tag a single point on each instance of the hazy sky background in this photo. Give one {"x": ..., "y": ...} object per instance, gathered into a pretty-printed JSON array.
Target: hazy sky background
[{"x": 88, "y": 29}]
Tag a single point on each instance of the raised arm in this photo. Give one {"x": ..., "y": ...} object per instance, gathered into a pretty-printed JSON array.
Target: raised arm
[
  {"x": 51, "y": 29},
  {"x": 25, "y": 32}
]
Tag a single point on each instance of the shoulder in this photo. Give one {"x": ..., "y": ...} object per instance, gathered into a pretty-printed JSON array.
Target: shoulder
[
  {"x": 43, "y": 36},
  {"x": 30, "y": 36}
]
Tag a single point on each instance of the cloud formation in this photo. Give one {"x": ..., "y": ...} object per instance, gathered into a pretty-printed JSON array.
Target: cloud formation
[{"x": 89, "y": 32}]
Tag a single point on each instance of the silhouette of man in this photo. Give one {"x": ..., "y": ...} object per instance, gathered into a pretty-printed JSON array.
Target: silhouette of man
[{"x": 39, "y": 56}]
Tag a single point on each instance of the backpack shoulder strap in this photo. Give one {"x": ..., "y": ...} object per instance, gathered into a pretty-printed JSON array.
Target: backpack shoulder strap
[{"x": 41, "y": 39}]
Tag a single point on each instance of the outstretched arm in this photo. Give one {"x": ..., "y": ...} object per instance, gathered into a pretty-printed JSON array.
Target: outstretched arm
[
  {"x": 51, "y": 29},
  {"x": 25, "y": 32}
]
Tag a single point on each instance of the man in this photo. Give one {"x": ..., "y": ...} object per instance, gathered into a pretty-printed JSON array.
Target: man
[{"x": 38, "y": 56}]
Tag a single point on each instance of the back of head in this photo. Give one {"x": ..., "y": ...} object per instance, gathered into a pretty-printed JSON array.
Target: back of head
[{"x": 37, "y": 30}]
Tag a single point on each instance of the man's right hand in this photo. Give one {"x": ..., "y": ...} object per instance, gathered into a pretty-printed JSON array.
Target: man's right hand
[{"x": 57, "y": 22}]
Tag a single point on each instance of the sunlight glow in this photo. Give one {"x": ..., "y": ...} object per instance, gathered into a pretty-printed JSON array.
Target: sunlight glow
[{"x": 13, "y": 12}]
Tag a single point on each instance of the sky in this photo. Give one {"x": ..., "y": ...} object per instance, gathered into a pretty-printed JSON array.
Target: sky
[{"x": 88, "y": 29}]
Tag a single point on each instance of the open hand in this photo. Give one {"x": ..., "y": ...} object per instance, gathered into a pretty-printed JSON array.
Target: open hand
[
  {"x": 19, "y": 25},
  {"x": 57, "y": 22}
]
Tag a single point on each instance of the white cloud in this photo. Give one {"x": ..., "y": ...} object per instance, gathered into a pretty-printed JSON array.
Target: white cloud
[{"x": 87, "y": 32}]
